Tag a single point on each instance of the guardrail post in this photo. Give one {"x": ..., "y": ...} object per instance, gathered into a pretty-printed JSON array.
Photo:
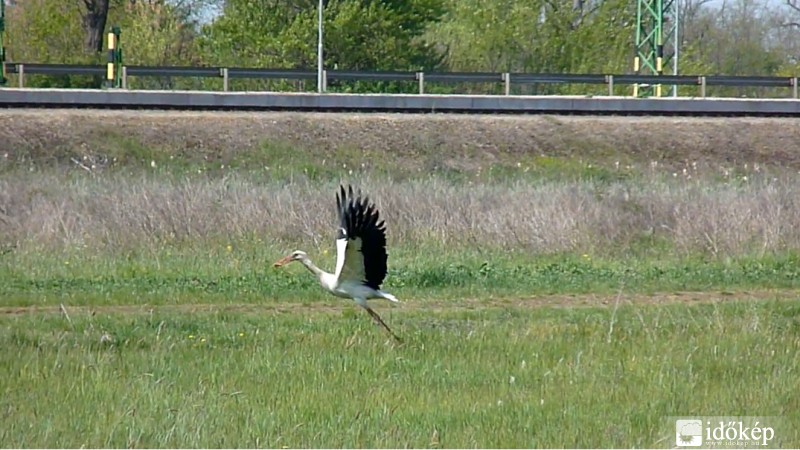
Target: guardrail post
[
  {"x": 224, "y": 71},
  {"x": 21, "y": 74},
  {"x": 794, "y": 87},
  {"x": 610, "y": 82},
  {"x": 421, "y": 81},
  {"x": 124, "y": 80},
  {"x": 324, "y": 80},
  {"x": 703, "y": 87},
  {"x": 507, "y": 82}
]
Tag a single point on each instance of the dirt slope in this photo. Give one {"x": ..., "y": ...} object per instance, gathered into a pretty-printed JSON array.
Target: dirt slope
[{"x": 56, "y": 134}]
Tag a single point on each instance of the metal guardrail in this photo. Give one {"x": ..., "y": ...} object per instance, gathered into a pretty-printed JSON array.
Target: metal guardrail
[{"x": 507, "y": 79}]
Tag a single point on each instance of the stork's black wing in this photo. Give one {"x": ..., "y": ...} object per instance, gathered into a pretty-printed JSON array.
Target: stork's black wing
[{"x": 361, "y": 240}]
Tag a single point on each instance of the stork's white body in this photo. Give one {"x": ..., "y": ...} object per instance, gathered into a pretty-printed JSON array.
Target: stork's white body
[
  {"x": 353, "y": 290},
  {"x": 340, "y": 285}
]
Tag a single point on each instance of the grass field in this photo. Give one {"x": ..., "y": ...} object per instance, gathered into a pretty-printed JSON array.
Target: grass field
[
  {"x": 487, "y": 377},
  {"x": 569, "y": 298}
]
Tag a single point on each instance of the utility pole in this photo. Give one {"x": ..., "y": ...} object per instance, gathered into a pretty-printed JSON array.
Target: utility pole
[
  {"x": 656, "y": 23},
  {"x": 3, "y": 78},
  {"x": 320, "y": 84}
]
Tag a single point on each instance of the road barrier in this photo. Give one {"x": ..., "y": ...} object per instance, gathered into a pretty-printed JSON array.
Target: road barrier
[
  {"x": 395, "y": 103},
  {"x": 507, "y": 80}
]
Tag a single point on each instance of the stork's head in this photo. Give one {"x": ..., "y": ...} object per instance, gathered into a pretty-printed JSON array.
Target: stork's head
[{"x": 294, "y": 256}]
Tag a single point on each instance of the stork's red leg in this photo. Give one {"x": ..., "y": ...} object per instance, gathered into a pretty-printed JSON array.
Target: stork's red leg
[{"x": 378, "y": 319}]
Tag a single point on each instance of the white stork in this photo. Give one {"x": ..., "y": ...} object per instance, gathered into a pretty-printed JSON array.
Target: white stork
[{"x": 360, "y": 254}]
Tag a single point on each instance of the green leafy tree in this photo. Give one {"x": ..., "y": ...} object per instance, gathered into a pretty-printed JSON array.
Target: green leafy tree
[
  {"x": 359, "y": 34},
  {"x": 44, "y": 31},
  {"x": 538, "y": 36},
  {"x": 154, "y": 32},
  {"x": 158, "y": 33},
  {"x": 732, "y": 38},
  {"x": 47, "y": 31}
]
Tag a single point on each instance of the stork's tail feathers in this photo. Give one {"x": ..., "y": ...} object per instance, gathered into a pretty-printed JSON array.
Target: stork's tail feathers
[{"x": 388, "y": 296}]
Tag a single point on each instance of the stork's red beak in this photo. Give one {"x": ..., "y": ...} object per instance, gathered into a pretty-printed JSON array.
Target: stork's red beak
[{"x": 283, "y": 261}]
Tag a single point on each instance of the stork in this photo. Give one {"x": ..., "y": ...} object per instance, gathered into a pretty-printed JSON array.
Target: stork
[{"x": 360, "y": 254}]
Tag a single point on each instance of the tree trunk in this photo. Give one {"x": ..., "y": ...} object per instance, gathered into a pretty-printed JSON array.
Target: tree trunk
[{"x": 94, "y": 24}]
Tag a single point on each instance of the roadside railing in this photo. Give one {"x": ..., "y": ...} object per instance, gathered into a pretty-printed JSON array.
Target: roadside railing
[{"x": 506, "y": 80}]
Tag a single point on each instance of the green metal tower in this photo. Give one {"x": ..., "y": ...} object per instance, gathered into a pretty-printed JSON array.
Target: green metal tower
[
  {"x": 656, "y": 41},
  {"x": 2, "y": 46}
]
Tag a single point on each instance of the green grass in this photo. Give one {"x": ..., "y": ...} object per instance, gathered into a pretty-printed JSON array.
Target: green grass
[
  {"x": 491, "y": 378},
  {"x": 245, "y": 275},
  {"x": 279, "y": 160}
]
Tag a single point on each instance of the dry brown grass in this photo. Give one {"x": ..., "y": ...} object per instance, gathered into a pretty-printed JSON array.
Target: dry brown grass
[
  {"x": 451, "y": 140},
  {"x": 710, "y": 209},
  {"x": 50, "y": 211}
]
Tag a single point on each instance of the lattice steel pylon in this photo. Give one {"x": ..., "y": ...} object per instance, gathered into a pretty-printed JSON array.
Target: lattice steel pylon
[{"x": 656, "y": 41}]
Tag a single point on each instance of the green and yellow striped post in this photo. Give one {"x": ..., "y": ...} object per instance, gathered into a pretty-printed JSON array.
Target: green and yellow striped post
[
  {"x": 114, "y": 64},
  {"x": 659, "y": 61}
]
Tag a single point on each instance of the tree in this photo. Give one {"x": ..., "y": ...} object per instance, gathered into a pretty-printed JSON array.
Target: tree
[
  {"x": 557, "y": 36},
  {"x": 94, "y": 24},
  {"x": 157, "y": 33},
  {"x": 792, "y": 22},
  {"x": 154, "y": 32},
  {"x": 735, "y": 37},
  {"x": 732, "y": 39},
  {"x": 43, "y": 31},
  {"x": 359, "y": 34}
]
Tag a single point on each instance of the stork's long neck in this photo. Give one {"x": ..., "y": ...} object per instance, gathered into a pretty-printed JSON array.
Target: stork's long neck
[
  {"x": 326, "y": 280},
  {"x": 313, "y": 268}
]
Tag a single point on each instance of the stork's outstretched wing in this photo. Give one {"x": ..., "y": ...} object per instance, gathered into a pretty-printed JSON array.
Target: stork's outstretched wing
[{"x": 360, "y": 241}]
